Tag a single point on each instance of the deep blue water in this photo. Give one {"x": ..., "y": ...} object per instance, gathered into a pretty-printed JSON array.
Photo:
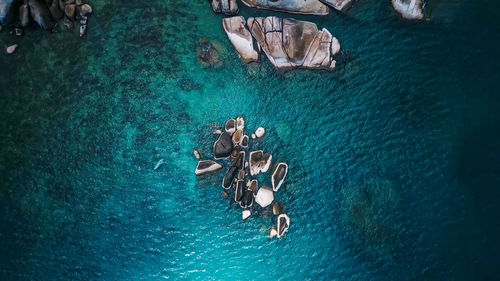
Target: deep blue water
[{"x": 394, "y": 157}]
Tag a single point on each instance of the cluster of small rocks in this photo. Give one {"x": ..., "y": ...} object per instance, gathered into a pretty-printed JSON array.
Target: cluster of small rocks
[
  {"x": 239, "y": 182},
  {"x": 46, "y": 13}
]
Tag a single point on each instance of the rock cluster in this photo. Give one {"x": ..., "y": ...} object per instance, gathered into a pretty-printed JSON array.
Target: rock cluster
[
  {"x": 340, "y": 5},
  {"x": 287, "y": 43},
  {"x": 45, "y": 13},
  {"x": 226, "y": 7},
  {"x": 409, "y": 9},
  {"x": 237, "y": 182},
  {"x": 307, "y": 7}
]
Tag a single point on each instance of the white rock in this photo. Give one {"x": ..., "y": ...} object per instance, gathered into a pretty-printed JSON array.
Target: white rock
[
  {"x": 253, "y": 136},
  {"x": 240, "y": 123},
  {"x": 260, "y": 132},
  {"x": 245, "y": 214},
  {"x": 240, "y": 38},
  {"x": 409, "y": 9},
  {"x": 196, "y": 153},
  {"x": 11, "y": 49},
  {"x": 273, "y": 232},
  {"x": 264, "y": 197}
]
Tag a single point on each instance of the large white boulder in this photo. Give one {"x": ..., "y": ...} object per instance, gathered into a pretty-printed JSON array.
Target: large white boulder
[{"x": 264, "y": 197}]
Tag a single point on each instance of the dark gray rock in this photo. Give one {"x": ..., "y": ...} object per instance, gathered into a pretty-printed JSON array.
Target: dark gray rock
[
  {"x": 223, "y": 146},
  {"x": 41, "y": 14}
]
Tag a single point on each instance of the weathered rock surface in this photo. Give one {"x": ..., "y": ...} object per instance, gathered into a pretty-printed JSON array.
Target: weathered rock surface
[
  {"x": 340, "y": 5},
  {"x": 240, "y": 38},
  {"x": 41, "y": 14},
  {"x": 264, "y": 197},
  {"x": 246, "y": 214},
  {"x": 24, "y": 15},
  {"x": 207, "y": 53},
  {"x": 308, "y": 7},
  {"x": 283, "y": 224},
  {"x": 226, "y": 7},
  {"x": 11, "y": 49},
  {"x": 6, "y": 11},
  {"x": 206, "y": 167},
  {"x": 279, "y": 175},
  {"x": 223, "y": 146},
  {"x": 290, "y": 43},
  {"x": 409, "y": 9}
]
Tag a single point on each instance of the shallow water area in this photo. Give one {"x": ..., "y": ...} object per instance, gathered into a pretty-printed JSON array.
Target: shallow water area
[{"x": 393, "y": 157}]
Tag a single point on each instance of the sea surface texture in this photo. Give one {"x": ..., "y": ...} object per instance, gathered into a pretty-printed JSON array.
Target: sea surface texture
[{"x": 394, "y": 157}]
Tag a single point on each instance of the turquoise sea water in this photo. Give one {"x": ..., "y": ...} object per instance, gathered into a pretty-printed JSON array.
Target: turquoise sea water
[{"x": 394, "y": 157}]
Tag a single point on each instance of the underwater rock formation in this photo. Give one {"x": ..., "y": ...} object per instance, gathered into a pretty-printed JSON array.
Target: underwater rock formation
[
  {"x": 409, "y": 9},
  {"x": 240, "y": 38},
  {"x": 206, "y": 167},
  {"x": 289, "y": 43},
  {"x": 207, "y": 53},
  {"x": 308, "y": 7},
  {"x": 226, "y": 7},
  {"x": 340, "y": 5}
]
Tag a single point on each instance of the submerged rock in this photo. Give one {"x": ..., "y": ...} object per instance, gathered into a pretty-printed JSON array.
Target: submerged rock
[
  {"x": 55, "y": 11},
  {"x": 226, "y": 7},
  {"x": 240, "y": 38},
  {"x": 290, "y": 43},
  {"x": 206, "y": 167},
  {"x": 340, "y": 5},
  {"x": 246, "y": 214},
  {"x": 225, "y": 194},
  {"x": 283, "y": 224},
  {"x": 277, "y": 208},
  {"x": 207, "y": 53},
  {"x": 223, "y": 146},
  {"x": 264, "y": 197},
  {"x": 11, "y": 49},
  {"x": 158, "y": 164},
  {"x": 196, "y": 153},
  {"x": 308, "y": 7},
  {"x": 409, "y": 9},
  {"x": 279, "y": 175}
]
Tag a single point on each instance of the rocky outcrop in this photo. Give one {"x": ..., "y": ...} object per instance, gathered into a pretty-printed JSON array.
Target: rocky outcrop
[
  {"x": 223, "y": 146},
  {"x": 289, "y": 43},
  {"x": 226, "y": 7},
  {"x": 308, "y": 7},
  {"x": 240, "y": 38},
  {"x": 409, "y": 9},
  {"x": 340, "y": 5},
  {"x": 206, "y": 167}
]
